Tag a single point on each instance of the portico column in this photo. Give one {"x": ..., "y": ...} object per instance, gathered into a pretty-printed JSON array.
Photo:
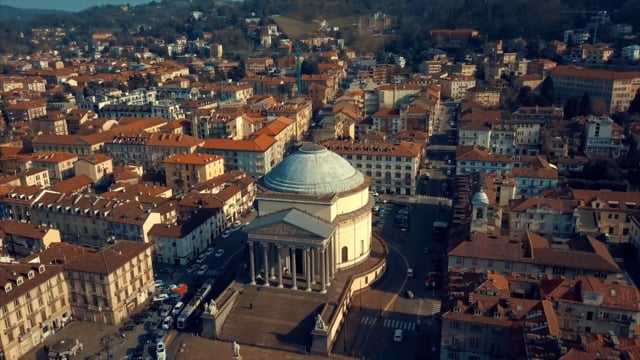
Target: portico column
[
  {"x": 252, "y": 263},
  {"x": 294, "y": 275},
  {"x": 279, "y": 266},
  {"x": 265, "y": 247},
  {"x": 308, "y": 268},
  {"x": 323, "y": 270},
  {"x": 312, "y": 255}
]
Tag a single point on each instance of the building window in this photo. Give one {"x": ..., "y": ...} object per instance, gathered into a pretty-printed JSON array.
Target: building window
[{"x": 345, "y": 254}]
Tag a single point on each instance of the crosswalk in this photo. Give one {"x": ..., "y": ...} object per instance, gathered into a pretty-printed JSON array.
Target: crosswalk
[
  {"x": 435, "y": 307},
  {"x": 389, "y": 323}
]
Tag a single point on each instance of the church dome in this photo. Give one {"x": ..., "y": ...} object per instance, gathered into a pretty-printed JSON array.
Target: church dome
[
  {"x": 480, "y": 199},
  {"x": 313, "y": 170}
]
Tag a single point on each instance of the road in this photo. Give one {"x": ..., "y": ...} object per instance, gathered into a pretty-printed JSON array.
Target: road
[{"x": 377, "y": 313}]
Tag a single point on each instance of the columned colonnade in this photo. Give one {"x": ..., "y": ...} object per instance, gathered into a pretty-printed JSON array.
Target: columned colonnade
[{"x": 278, "y": 260}]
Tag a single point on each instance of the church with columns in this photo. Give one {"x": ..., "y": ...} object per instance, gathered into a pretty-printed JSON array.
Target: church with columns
[{"x": 314, "y": 219}]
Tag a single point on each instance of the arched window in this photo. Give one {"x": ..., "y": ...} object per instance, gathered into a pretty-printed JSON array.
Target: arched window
[{"x": 345, "y": 254}]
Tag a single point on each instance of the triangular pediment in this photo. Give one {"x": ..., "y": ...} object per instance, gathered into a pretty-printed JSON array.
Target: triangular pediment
[{"x": 284, "y": 229}]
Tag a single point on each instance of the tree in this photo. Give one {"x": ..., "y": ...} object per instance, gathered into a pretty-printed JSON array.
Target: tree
[
  {"x": 547, "y": 91},
  {"x": 586, "y": 107},
  {"x": 634, "y": 107},
  {"x": 571, "y": 108},
  {"x": 309, "y": 67},
  {"x": 526, "y": 97}
]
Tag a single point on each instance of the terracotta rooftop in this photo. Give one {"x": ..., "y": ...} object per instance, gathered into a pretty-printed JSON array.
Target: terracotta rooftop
[
  {"x": 81, "y": 259},
  {"x": 261, "y": 143},
  {"x": 192, "y": 159},
  {"x": 9, "y": 274}
]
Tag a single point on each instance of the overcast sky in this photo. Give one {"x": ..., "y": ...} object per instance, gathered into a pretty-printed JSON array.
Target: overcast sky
[{"x": 71, "y": 5}]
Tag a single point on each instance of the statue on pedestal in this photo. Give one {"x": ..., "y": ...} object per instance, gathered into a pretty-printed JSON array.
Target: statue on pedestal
[
  {"x": 236, "y": 351},
  {"x": 212, "y": 307},
  {"x": 320, "y": 325}
]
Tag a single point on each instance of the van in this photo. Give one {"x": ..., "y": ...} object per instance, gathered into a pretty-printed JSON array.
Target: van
[{"x": 397, "y": 335}]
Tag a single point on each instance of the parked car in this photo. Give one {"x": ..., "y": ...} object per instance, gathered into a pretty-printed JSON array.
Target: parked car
[
  {"x": 165, "y": 310},
  {"x": 167, "y": 322},
  {"x": 397, "y": 335},
  {"x": 177, "y": 308},
  {"x": 203, "y": 270},
  {"x": 160, "y": 351},
  {"x": 210, "y": 251},
  {"x": 193, "y": 268},
  {"x": 219, "y": 252},
  {"x": 158, "y": 283},
  {"x": 226, "y": 234},
  {"x": 160, "y": 297}
]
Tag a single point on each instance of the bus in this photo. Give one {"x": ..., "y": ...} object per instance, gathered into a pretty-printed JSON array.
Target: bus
[{"x": 191, "y": 308}]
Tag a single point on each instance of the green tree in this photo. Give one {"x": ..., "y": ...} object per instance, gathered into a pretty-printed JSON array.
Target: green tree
[
  {"x": 547, "y": 91},
  {"x": 309, "y": 67}
]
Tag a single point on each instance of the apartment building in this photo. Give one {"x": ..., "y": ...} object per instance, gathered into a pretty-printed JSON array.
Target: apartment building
[
  {"x": 487, "y": 129},
  {"x": 393, "y": 168},
  {"x": 74, "y": 144},
  {"x": 486, "y": 327},
  {"x": 181, "y": 243},
  {"x": 603, "y": 138},
  {"x": 21, "y": 239},
  {"x": 548, "y": 216},
  {"x": 182, "y": 171},
  {"x": 54, "y": 123},
  {"x": 282, "y": 130},
  {"x": 235, "y": 190},
  {"x": 606, "y": 212},
  {"x": 589, "y": 305},
  {"x": 389, "y": 96},
  {"x": 255, "y": 156},
  {"x": 34, "y": 304},
  {"x": 35, "y": 177},
  {"x": 535, "y": 255},
  {"x": 534, "y": 176},
  {"x": 24, "y": 111},
  {"x": 85, "y": 219},
  {"x": 474, "y": 159},
  {"x": 150, "y": 149},
  {"x": 106, "y": 285},
  {"x": 615, "y": 88},
  {"x": 59, "y": 164},
  {"x": 98, "y": 168},
  {"x": 456, "y": 87},
  {"x": 298, "y": 109}
]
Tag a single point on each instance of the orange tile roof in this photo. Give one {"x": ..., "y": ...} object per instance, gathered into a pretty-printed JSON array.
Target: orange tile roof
[
  {"x": 192, "y": 159},
  {"x": 260, "y": 143}
]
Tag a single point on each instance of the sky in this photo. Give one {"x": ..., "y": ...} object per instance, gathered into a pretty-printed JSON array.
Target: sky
[{"x": 69, "y": 5}]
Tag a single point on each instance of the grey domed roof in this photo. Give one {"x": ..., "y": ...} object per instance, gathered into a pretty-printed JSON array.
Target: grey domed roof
[
  {"x": 313, "y": 170},
  {"x": 480, "y": 198}
]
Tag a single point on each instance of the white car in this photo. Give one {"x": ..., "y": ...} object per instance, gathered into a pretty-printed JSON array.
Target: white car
[
  {"x": 203, "y": 270},
  {"x": 158, "y": 283},
  {"x": 397, "y": 335},
  {"x": 177, "y": 308},
  {"x": 160, "y": 297},
  {"x": 161, "y": 354},
  {"x": 225, "y": 234},
  {"x": 167, "y": 322},
  {"x": 219, "y": 252}
]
